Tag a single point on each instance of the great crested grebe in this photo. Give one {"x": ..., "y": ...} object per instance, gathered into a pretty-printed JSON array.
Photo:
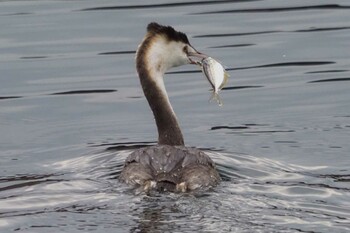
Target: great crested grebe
[{"x": 169, "y": 165}]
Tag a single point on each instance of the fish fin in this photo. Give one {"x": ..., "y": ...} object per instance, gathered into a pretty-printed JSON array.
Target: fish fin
[
  {"x": 215, "y": 96},
  {"x": 226, "y": 76}
]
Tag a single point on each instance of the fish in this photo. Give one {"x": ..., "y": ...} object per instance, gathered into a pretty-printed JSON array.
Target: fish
[{"x": 216, "y": 75}]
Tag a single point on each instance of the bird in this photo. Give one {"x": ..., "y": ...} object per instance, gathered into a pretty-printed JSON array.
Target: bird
[{"x": 169, "y": 165}]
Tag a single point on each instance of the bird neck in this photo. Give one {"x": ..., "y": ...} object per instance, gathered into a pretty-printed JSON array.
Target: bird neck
[{"x": 169, "y": 132}]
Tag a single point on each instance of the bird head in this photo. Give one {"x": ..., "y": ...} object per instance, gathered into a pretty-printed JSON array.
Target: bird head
[{"x": 163, "y": 48}]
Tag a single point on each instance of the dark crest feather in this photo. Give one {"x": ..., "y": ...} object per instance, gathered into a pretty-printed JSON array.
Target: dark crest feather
[{"x": 169, "y": 32}]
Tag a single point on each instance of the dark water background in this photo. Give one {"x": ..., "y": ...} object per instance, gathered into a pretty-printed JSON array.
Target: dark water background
[{"x": 71, "y": 110}]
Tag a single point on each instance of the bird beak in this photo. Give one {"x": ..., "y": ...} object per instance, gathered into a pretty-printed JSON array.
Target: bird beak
[{"x": 195, "y": 57}]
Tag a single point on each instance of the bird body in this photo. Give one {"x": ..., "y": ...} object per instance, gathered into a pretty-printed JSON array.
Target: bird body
[
  {"x": 169, "y": 165},
  {"x": 171, "y": 168}
]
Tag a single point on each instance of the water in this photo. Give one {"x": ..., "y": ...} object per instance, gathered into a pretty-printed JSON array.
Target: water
[{"x": 71, "y": 110}]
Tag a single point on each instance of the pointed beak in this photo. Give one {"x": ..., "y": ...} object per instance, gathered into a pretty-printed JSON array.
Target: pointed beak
[{"x": 195, "y": 57}]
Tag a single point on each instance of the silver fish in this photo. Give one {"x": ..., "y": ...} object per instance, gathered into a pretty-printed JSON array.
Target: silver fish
[{"x": 216, "y": 75}]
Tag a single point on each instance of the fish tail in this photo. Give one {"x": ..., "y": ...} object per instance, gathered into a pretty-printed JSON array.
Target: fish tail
[{"x": 215, "y": 96}]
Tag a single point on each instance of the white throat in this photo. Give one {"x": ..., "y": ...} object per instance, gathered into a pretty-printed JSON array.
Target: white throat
[{"x": 163, "y": 55}]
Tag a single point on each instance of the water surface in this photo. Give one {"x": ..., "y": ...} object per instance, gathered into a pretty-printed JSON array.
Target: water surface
[{"x": 71, "y": 110}]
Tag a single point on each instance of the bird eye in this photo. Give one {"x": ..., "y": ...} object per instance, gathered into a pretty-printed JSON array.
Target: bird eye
[{"x": 185, "y": 49}]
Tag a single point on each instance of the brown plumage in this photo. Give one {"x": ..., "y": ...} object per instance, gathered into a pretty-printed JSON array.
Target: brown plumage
[
  {"x": 174, "y": 168},
  {"x": 169, "y": 165}
]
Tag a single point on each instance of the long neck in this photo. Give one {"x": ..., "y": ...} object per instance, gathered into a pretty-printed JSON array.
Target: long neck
[{"x": 169, "y": 132}]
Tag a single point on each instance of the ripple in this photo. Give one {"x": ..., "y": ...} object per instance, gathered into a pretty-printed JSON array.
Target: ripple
[
  {"x": 78, "y": 92},
  {"x": 251, "y": 129},
  {"x": 267, "y": 131},
  {"x": 279, "y": 9},
  {"x": 118, "y": 52},
  {"x": 10, "y": 97},
  {"x": 29, "y": 184},
  {"x": 229, "y": 127},
  {"x": 231, "y": 46},
  {"x": 235, "y": 34},
  {"x": 124, "y": 145},
  {"x": 240, "y": 87},
  {"x": 164, "y": 5},
  {"x": 252, "y": 187},
  {"x": 314, "y": 29},
  {"x": 281, "y": 64},
  {"x": 17, "y": 14},
  {"x": 330, "y": 80},
  {"x": 284, "y": 64},
  {"x": 287, "y": 142},
  {"x": 184, "y": 72},
  {"x": 33, "y": 57},
  {"x": 325, "y": 71},
  {"x": 47, "y": 186}
]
